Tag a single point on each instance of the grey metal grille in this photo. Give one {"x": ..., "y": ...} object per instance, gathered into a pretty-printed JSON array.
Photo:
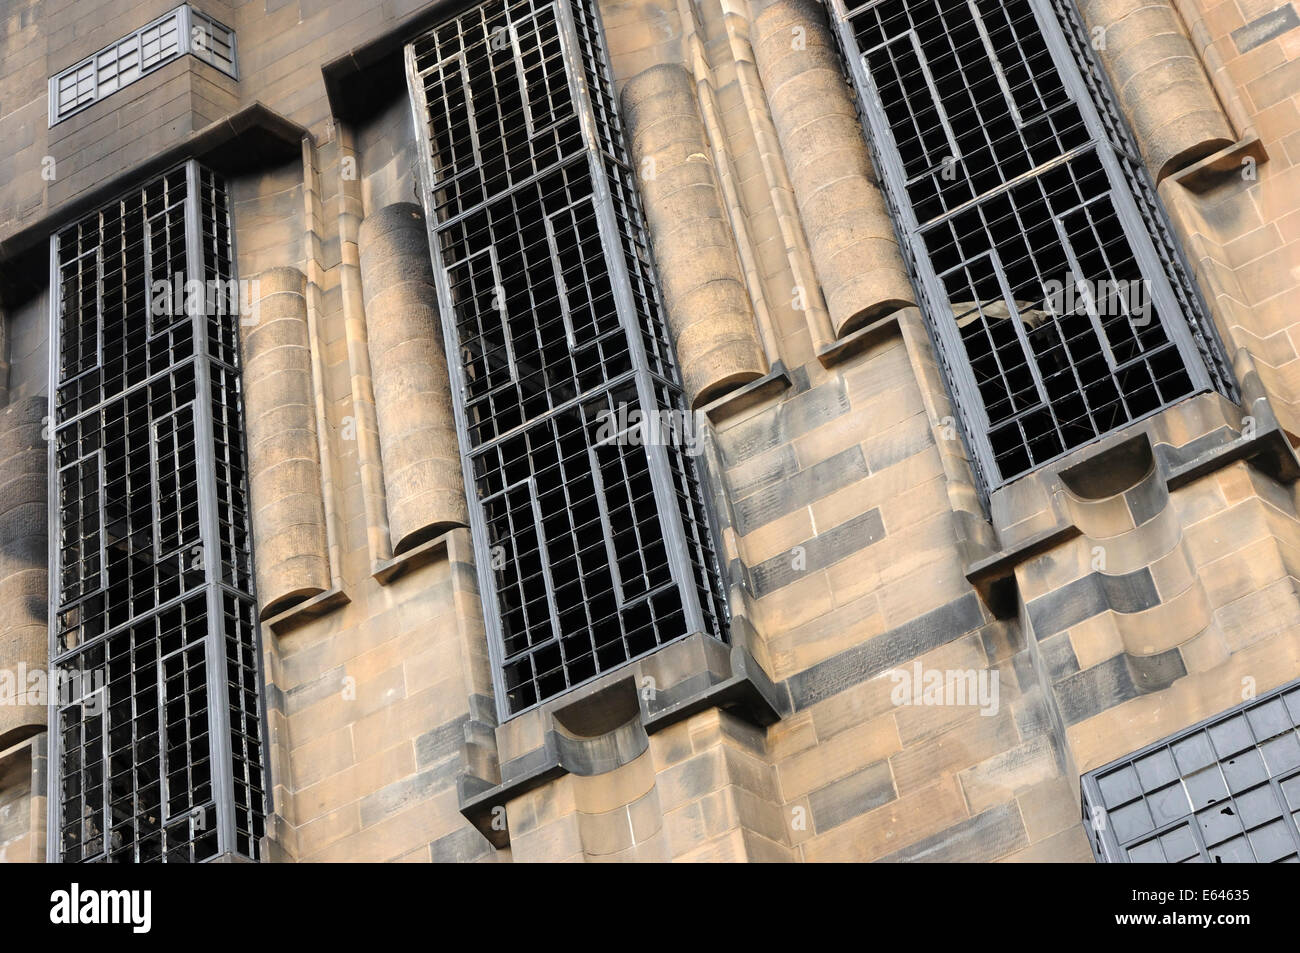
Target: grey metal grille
[
  {"x": 1058, "y": 302},
  {"x": 176, "y": 33},
  {"x": 1224, "y": 791},
  {"x": 158, "y": 744},
  {"x": 593, "y": 543}
]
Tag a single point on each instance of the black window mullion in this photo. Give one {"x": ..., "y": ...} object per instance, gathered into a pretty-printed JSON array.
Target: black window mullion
[{"x": 1126, "y": 206}]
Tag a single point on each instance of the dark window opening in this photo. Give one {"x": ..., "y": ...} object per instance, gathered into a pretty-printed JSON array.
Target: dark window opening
[
  {"x": 593, "y": 542},
  {"x": 157, "y": 747},
  {"x": 1059, "y": 305}
]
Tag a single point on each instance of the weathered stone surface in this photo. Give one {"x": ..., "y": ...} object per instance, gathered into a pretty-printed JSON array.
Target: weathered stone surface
[
  {"x": 709, "y": 312},
  {"x": 369, "y": 774},
  {"x": 24, "y": 576},
  {"x": 854, "y": 247},
  {"x": 1160, "y": 81},
  {"x": 417, "y": 432},
  {"x": 284, "y": 473}
]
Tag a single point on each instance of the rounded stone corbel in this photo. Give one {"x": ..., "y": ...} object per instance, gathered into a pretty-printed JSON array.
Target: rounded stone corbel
[
  {"x": 24, "y": 573},
  {"x": 854, "y": 247},
  {"x": 710, "y": 314},
  {"x": 1160, "y": 82},
  {"x": 284, "y": 467},
  {"x": 417, "y": 433}
]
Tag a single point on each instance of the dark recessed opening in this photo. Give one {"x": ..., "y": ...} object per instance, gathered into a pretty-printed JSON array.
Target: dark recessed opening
[{"x": 1110, "y": 471}]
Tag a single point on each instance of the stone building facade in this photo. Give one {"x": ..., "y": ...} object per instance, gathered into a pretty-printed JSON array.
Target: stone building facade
[{"x": 854, "y": 609}]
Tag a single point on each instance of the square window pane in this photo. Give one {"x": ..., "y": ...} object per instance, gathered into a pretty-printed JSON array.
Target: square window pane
[
  {"x": 1179, "y": 844},
  {"x": 1193, "y": 753},
  {"x": 1269, "y": 720},
  {"x": 1235, "y": 851},
  {"x": 1156, "y": 770},
  {"x": 1258, "y": 806},
  {"x": 1119, "y": 787},
  {"x": 1244, "y": 770},
  {"x": 1231, "y": 736},
  {"x": 1169, "y": 804},
  {"x": 1282, "y": 753},
  {"x": 1273, "y": 842},
  {"x": 1148, "y": 852},
  {"x": 1218, "y": 823},
  {"x": 1132, "y": 820},
  {"x": 1206, "y": 787}
]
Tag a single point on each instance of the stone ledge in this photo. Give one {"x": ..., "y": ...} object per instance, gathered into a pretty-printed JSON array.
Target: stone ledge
[
  {"x": 776, "y": 381},
  {"x": 1265, "y": 447},
  {"x": 387, "y": 570},
  {"x": 854, "y": 343},
  {"x": 1215, "y": 169},
  {"x": 603, "y": 725},
  {"x": 302, "y": 613},
  {"x": 994, "y": 577}
]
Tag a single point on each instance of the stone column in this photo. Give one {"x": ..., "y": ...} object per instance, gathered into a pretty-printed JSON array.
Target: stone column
[
  {"x": 710, "y": 315},
  {"x": 1160, "y": 82},
  {"x": 24, "y": 561},
  {"x": 854, "y": 246},
  {"x": 284, "y": 468},
  {"x": 417, "y": 430}
]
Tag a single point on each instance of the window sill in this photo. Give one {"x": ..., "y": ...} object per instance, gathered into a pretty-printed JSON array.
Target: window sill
[
  {"x": 607, "y": 723},
  {"x": 1028, "y": 519}
]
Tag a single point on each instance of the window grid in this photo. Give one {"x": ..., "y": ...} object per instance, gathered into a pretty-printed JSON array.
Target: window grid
[
  {"x": 594, "y": 547},
  {"x": 212, "y": 42},
  {"x": 1012, "y": 182},
  {"x": 180, "y": 31},
  {"x": 1225, "y": 791},
  {"x": 152, "y": 600},
  {"x": 1177, "y": 270}
]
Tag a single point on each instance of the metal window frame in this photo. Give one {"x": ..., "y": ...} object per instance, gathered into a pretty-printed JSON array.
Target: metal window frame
[
  {"x": 1106, "y": 847},
  {"x": 185, "y": 18},
  {"x": 210, "y": 24},
  {"x": 672, "y": 520},
  {"x": 959, "y": 378},
  {"x": 215, "y": 588}
]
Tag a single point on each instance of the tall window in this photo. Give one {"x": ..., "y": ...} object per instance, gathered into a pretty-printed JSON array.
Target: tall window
[
  {"x": 156, "y": 743},
  {"x": 1058, "y": 302},
  {"x": 590, "y": 529}
]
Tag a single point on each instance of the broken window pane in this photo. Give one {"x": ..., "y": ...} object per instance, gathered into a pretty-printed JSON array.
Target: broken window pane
[
  {"x": 1059, "y": 306},
  {"x": 1225, "y": 791}
]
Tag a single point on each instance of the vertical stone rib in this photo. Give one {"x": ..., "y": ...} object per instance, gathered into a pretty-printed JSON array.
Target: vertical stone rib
[
  {"x": 24, "y": 558},
  {"x": 283, "y": 449},
  {"x": 417, "y": 434},
  {"x": 370, "y": 464},
  {"x": 4, "y": 359},
  {"x": 854, "y": 247},
  {"x": 1159, "y": 81},
  {"x": 709, "y": 311}
]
